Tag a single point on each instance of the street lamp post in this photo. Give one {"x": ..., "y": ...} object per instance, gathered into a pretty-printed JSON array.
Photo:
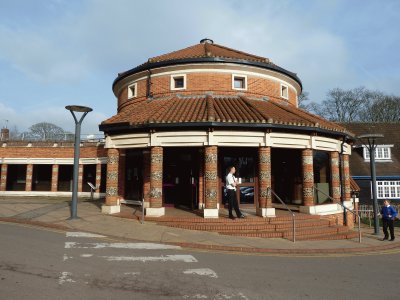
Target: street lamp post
[
  {"x": 85, "y": 110},
  {"x": 369, "y": 141}
]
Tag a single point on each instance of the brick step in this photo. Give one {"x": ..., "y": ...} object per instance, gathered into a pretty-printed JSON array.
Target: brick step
[
  {"x": 250, "y": 226},
  {"x": 288, "y": 234},
  {"x": 338, "y": 236},
  {"x": 279, "y": 219}
]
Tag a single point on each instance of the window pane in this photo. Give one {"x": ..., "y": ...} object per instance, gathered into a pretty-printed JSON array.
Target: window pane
[
  {"x": 178, "y": 82},
  {"x": 239, "y": 83}
]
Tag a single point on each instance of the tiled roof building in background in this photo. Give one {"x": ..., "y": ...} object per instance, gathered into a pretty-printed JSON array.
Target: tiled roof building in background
[{"x": 387, "y": 159}]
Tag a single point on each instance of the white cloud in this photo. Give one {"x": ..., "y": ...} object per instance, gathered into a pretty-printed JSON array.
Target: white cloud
[{"x": 56, "y": 115}]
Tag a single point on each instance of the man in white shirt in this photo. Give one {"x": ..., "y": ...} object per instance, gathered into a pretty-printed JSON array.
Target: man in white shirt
[{"x": 230, "y": 185}]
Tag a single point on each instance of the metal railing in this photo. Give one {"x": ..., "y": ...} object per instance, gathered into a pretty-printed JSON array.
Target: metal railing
[
  {"x": 287, "y": 207},
  {"x": 138, "y": 203},
  {"x": 344, "y": 208}
]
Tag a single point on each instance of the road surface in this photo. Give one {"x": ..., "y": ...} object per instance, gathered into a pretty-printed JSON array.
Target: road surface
[{"x": 37, "y": 263}]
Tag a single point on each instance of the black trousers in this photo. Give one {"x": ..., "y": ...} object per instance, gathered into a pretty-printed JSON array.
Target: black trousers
[
  {"x": 390, "y": 224},
  {"x": 232, "y": 202}
]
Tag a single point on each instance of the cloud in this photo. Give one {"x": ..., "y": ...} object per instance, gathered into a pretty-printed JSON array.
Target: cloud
[
  {"x": 105, "y": 37},
  {"x": 56, "y": 115}
]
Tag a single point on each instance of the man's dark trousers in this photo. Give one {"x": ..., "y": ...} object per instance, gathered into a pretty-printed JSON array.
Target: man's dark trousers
[
  {"x": 233, "y": 202},
  {"x": 388, "y": 223}
]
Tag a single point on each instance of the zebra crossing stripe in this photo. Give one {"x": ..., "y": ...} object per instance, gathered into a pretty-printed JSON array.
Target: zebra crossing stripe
[
  {"x": 162, "y": 258},
  {"x": 84, "y": 234},
  {"x": 141, "y": 246}
]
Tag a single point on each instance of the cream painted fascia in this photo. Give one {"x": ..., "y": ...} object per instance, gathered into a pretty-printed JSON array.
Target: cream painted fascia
[
  {"x": 225, "y": 138},
  {"x": 227, "y": 68}
]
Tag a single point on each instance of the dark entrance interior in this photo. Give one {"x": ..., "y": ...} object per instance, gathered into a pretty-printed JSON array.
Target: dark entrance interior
[
  {"x": 89, "y": 175},
  {"x": 245, "y": 162},
  {"x": 180, "y": 177},
  {"x": 286, "y": 175},
  {"x": 41, "y": 177},
  {"x": 134, "y": 175},
  {"x": 16, "y": 178},
  {"x": 65, "y": 175}
]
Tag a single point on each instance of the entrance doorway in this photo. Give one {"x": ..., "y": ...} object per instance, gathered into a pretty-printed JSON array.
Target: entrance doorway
[
  {"x": 134, "y": 175},
  {"x": 180, "y": 177},
  {"x": 245, "y": 161},
  {"x": 286, "y": 175}
]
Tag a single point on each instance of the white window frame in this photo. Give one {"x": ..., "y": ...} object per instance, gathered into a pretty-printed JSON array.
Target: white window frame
[
  {"x": 380, "y": 154},
  {"x": 287, "y": 91},
  {"x": 241, "y": 77},
  {"x": 130, "y": 94},
  {"x": 173, "y": 88},
  {"x": 387, "y": 189}
]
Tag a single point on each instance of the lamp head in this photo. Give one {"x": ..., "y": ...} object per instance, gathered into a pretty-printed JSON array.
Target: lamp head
[{"x": 78, "y": 108}]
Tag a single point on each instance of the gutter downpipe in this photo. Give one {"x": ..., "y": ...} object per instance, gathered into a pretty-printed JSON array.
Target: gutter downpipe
[
  {"x": 342, "y": 187},
  {"x": 148, "y": 92}
]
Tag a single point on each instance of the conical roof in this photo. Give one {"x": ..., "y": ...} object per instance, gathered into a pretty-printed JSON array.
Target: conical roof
[{"x": 207, "y": 52}]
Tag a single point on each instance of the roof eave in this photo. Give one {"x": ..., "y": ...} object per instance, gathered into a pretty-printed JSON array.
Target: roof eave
[{"x": 123, "y": 127}]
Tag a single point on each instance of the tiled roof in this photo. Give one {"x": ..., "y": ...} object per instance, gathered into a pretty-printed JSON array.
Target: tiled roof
[
  {"x": 208, "y": 50},
  {"x": 225, "y": 109},
  {"x": 391, "y": 132}
]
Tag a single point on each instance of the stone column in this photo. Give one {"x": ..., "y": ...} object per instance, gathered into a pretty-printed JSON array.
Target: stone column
[
  {"x": 98, "y": 177},
  {"x": 80, "y": 179},
  {"x": 211, "y": 181},
  {"x": 112, "y": 202},
  {"x": 346, "y": 177},
  {"x": 146, "y": 178},
  {"x": 265, "y": 208},
  {"x": 28, "y": 182},
  {"x": 347, "y": 201},
  {"x": 201, "y": 180},
  {"x": 308, "y": 177},
  {"x": 54, "y": 178},
  {"x": 156, "y": 180},
  {"x": 335, "y": 175},
  {"x": 121, "y": 173},
  {"x": 3, "y": 178}
]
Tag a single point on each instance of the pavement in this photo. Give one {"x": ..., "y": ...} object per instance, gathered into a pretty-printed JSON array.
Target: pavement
[{"x": 54, "y": 213}]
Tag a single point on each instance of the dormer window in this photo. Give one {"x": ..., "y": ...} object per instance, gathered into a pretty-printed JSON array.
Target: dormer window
[
  {"x": 132, "y": 90},
  {"x": 239, "y": 82},
  {"x": 382, "y": 153},
  {"x": 178, "y": 82},
  {"x": 284, "y": 91}
]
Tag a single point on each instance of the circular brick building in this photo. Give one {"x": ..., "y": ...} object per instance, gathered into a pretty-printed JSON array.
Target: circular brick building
[{"x": 186, "y": 116}]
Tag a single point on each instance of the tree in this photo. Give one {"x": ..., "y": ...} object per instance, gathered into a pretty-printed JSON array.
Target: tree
[
  {"x": 303, "y": 97},
  {"x": 384, "y": 108},
  {"x": 357, "y": 105},
  {"x": 45, "y": 131}
]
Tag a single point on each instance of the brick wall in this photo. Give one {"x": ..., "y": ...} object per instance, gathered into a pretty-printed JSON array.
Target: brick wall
[
  {"x": 23, "y": 151},
  {"x": 308, "y": 177},
  {"x": 199, "y": 83},
  {"x": 211, "y": 176}
]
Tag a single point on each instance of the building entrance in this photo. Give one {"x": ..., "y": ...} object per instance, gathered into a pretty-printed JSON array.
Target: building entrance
[
  {"x": 244, "y": 160},
  {"x": 134, "y": 175},
  {"x": 180, "y": 177},
  {"x": 286, "y": 175}
]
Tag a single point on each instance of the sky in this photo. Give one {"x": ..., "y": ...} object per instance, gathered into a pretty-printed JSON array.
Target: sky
[{"x": 55, "y": 53}]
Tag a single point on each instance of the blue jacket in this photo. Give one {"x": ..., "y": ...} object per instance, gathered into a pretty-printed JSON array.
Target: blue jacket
[{"x": 388, "y": 210}]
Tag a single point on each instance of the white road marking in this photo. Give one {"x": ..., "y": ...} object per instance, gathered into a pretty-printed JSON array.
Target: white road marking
[
  {"x": 146, "y": 246},
  {"x": 84, "y": 234},
  {"x": 132, "y": 273},
  {"x": 65, "y": 277},
  {"x": 202, "y": 272},
  {"x": 197, "y": 296},
  {"x": 65, "y": 257},
  {"x": 183, "y": 258},
  {"x": 86, "y": 255}
]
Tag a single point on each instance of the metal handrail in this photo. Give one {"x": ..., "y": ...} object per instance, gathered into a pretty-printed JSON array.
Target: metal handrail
[
  {"x": 287, "y": 207},
  {"x": 344, "y": 208}
]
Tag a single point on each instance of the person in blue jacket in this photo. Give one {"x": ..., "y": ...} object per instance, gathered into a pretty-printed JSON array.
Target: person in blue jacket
[{"x": 388, "y": 215}]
